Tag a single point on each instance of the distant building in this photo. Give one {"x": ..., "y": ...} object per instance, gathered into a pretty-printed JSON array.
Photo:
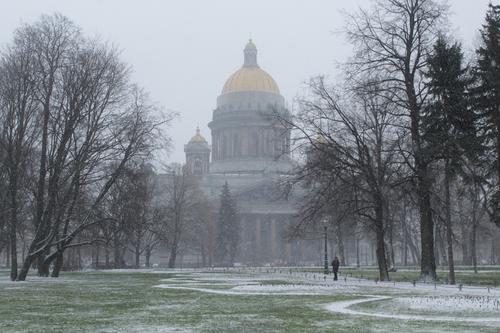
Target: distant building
[{"x": 251, "y": 151}]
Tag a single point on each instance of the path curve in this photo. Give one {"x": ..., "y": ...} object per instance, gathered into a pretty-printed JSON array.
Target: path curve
[{"x": 343, "y": 307}]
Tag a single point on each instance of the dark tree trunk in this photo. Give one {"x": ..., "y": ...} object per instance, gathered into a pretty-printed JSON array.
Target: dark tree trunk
[
  {"x": 118, "y": 260},
  {"x": 357, "y": 251},
  {"x": 79, "y": 252},
  {"x": 13, "y": 228},
  {"x": 58, "y": 264},
  {"x": 137, "y": 256},
  {"x": 39, "y": 204},
  {"x": 380, "y": 249},
  {"x": 97, "y": 249},
  {"x": 427, "y": 260},
  {"x": 173, "y": 253},
  {"x": 43, "y": 265},
  {"x": 466, "y": 258},
  {"x": 106, "y": 255},
  {"x": 449, "y": 231},
  {"x": 7, "y": 256},
  {"x": 423, "y": 186},
  {"x": 13, "y": 250},
  {"x": 172, "y": 258},
  {"x": 391, "y": 245},
  {"x": 203, "y": 255},
  {"x": 492, "y": 253},
  {"x": 473, "y": 246},
  {"x": 340, "y": 243},
  {"x": 404, "y": 235},
  {"x": 148, "y": 256}
]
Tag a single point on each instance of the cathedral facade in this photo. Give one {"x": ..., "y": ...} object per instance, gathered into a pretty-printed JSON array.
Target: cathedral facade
[{"x": 251, "y": 152}]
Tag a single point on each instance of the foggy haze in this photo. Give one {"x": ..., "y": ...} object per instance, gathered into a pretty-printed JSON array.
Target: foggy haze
[{"x": 182, "y": 52}]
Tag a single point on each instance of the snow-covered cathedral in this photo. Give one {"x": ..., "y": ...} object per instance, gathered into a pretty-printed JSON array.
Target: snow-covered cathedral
[{"x": 251, "y": 151}]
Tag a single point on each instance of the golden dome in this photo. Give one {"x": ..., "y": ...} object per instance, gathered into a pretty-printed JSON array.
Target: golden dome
[
  {"x": 198, "y": 137},
  {"x": 250, "y": 77}
]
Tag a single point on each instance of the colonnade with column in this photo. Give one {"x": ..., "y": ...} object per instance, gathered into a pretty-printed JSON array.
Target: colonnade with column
[
  {"x": 251, "y": 142},
  {"x": 263, "y": 241}
]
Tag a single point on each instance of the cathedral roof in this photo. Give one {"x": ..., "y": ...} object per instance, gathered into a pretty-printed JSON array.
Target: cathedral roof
[
  {"x": 198, "y": 137},
  {"x": 250, "y": 77}
]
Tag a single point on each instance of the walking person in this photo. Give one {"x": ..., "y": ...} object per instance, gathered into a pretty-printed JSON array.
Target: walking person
[{"x": 335, "y": 268}]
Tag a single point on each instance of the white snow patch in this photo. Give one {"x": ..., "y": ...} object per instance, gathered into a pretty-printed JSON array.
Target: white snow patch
[
  {"x": 343, "y": 307},
  {"x": 451, "y": 303}
]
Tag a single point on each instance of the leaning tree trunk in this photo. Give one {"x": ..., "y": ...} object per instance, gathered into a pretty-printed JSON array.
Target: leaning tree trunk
[{"x": 40, "y": 197}]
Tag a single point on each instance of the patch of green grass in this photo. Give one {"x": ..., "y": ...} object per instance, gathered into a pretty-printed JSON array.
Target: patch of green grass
[{"x": 131, "y": 302}]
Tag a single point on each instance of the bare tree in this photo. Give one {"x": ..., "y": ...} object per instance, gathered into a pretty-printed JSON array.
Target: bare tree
[
  {"x": 18, "y": 115},
  {"x": 179, "y": 198},
  {"x": 353, "y": 148},
  {"x": 392, "y": 44},
  {"x": 92, "y": 122}
]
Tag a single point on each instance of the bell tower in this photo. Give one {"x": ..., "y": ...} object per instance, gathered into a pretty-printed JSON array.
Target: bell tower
[{"x": 197, "y": 154}]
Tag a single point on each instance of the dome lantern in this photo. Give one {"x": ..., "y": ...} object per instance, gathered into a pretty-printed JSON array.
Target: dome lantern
[
  {"x": 250, "y": 77},
  {"x": 250, "y": 55}
]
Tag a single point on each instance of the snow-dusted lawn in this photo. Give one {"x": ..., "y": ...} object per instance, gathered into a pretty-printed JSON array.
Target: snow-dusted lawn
[{"x": 239, "y": 300}]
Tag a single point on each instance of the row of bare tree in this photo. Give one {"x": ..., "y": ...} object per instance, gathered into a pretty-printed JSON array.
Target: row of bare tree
[
  {"x": 146, "y": 213},
  {"x": 72, "y": 123},
  {"x": 411, "y": 135}
]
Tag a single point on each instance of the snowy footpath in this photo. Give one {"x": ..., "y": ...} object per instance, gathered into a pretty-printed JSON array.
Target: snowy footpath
[{"x": 399, "y": 301}]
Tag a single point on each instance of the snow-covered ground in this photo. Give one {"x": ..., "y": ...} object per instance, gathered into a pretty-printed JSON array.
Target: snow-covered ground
[
  {"x": 241, "y": 300},
  {"x": 405, "y": 301}
]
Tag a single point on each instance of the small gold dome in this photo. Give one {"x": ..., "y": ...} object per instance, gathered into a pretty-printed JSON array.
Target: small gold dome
[
  {"x": 198, "y": 137},
  {"x": 250, "y": 77}
]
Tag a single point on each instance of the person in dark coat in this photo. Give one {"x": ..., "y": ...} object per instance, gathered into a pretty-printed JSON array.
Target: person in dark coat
[{"x": 335, "y": 267}]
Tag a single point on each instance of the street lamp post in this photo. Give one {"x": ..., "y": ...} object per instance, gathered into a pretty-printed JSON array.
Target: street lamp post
[{"x": 325, "y": 225}]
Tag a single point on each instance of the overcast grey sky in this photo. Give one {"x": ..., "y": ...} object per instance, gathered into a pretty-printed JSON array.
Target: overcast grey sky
[{"x": 183, "y": 51}]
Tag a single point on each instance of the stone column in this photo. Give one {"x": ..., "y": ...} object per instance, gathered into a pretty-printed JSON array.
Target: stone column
[
  {"x": 258, "y": 240},
  {"x": 274, "y": 239}
]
